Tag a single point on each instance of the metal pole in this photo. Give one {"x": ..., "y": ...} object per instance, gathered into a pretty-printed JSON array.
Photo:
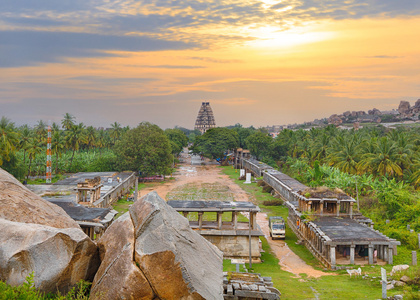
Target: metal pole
[{"x": 250, "y": 256}]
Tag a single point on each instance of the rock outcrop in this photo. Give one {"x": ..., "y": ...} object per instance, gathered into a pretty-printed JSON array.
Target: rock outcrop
[
  {"x": 58, "y": 257},
  {"x": 19, "y": 204},
  {"x": 38, "y": 236},
  {"x": 161, "y": 254},
  {"x": 404, "y": 107}
]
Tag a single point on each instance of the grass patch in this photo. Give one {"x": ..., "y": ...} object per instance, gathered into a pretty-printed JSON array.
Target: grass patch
[{"x": 201, "y": 192}]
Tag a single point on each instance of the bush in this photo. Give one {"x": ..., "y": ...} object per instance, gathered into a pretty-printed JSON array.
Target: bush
[
  {"x": 267, "y": 189},
  {"x": 404, "y": 236}
]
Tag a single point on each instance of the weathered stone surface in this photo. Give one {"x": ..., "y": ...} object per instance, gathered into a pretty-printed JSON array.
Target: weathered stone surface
[
  {"x": 58, "y": 257},
  {"x": 19, "y": 204},
  {"x": 118, "y": 277},
  {"x": 405, "y": 278},
  {"x": 335, "y": 120},
  {"x": 404, "y": 107},
  {"x": 177, "y": 262}
]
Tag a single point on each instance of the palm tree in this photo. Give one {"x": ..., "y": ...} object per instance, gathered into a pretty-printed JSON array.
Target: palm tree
[
  {"x": 345, "y": 154},
  {"x": 91, "y": 137},
  {"x": 115, "y": 131},
  {"x": 57, "y": 147},
  {"x": 8, "y": 139},
  {"x": 68, "y": 121},
  {"x": 25, "y": 135},
  {"x": 384, "y": 161},
  {"x": 75, "y": 136},
  {"x": 33, "y": 150}
]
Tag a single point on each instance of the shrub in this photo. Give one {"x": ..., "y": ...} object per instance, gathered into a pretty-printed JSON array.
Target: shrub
[{"x": 267, "y": 189}]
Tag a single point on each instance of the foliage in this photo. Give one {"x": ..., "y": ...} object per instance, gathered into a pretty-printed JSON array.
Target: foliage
[
  {"x": 145, "y": 148},
  {"x": 178, "y": 140},
  {"x": 215, "y": 141},
  {"x": 258, "y": 143}
]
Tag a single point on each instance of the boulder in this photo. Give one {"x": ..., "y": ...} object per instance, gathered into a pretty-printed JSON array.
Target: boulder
[
  {"x": 59, "y": 258},
  {"x": 404, "y": 107},
  {"x": 405, "y": 278},
  {"x": 335, "y": 120},
  {"x": 19, "y": 204},
  {"x": 118, "y": 277},
  {"x": 177, "y": 262}
]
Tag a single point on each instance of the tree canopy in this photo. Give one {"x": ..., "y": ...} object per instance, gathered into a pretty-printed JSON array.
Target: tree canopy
[
  {"x": 215, "y": 141},
  {"x": 146, "y": 149}
]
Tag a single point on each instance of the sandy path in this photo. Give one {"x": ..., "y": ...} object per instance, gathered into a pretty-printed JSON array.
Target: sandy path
[{"x": 197, "y": 174}]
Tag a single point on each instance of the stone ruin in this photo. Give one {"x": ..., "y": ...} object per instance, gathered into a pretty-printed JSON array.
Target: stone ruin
[
  {"x": 89, "y": 191},
  {"x": 205, "y": 119},
  {"x": 148, "y": 253},
  {"x": 237, "y": 286}
]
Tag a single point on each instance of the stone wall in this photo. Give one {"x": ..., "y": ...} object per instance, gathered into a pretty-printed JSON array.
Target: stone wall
[{"x": 113, "y": 195}]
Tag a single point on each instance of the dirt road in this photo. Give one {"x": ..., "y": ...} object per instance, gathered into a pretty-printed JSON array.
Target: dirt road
[{"x": 192, "y": 176}]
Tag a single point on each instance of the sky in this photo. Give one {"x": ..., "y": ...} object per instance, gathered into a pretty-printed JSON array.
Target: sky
[{"x": 258, "y": 62}]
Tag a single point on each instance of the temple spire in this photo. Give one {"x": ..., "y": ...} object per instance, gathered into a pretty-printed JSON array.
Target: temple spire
[{"x": 205, "y": 118}]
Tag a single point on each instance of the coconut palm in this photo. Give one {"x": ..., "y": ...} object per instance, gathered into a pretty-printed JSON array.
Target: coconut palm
[
  {"x": 383, "y": 161},
  {"x": 9, "y": 139},
  {"x": 344, "y": 154},
  {"x": 115, "y": 131},
  {"x": 68, "y": 121},
  {"x": 25, "y": 135},
  {"x": 33, "y": 149},
  {"x": 91, "y": 137},
  {"x": 57, "y": 146},
  {"x": 75, "y": 136}
]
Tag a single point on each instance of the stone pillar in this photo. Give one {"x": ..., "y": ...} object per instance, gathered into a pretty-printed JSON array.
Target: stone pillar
[
  {"x": 248, "y": 178},
  {"x": 338, "y": 208},
  {"x": 414, "y": 258},
  {"x": 200, "y": 220},
  {"x": 235, "y": 219},
  {"x": 385, "y": 252},
  {"x": 352, "y": 254},
  {"x": 241, "y": 172},
  {"x": 332, "y": 255},
  {"x": 321, "y": 207},
  {"x": 219, "y": 220},
  {"x": 351, "y": 210},
  {"x": 309, "y": 205},
  {"x": 370, "y": 253},
  {"x": 390, "y": 255},
  {"x": 253, "y": 217},
  {"x": 136, "y": 191},
  {"x": 395, "y": 250}
]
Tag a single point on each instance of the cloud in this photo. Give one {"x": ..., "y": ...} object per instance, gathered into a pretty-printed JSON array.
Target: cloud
[
  {"x": 384, "y": 56},
  {"x": 22, "y": 48}
]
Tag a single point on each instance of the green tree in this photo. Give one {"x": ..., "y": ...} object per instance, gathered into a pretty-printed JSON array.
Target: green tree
[
  {"x": 215, "y": 141},
  {"x": 8, "y": 139},
  {"x": 57, "y": 146},
  {"x": 145, "y": 148},
  {"x": 178, "y": 140},
  {"x": 68, "y": 121},
  {"x": 258, "y": 143},
  {"x": 34, "y": 148},
  {"x": 345, "y": 154},
  {"x": 75, "y": 136},
  {"x": 116, "y": 131}
]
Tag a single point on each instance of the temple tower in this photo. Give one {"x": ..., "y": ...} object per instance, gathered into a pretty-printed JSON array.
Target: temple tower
[{"x": 205, "y": 118}]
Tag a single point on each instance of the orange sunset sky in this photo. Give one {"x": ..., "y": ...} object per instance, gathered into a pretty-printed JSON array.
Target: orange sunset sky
[{"x": 258, "y": 63}]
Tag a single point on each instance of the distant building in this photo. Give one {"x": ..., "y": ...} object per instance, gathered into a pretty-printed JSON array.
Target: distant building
[{"x": 205, "y": 119}]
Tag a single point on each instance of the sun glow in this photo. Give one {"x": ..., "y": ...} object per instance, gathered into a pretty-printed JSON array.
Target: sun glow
[{"x": 272, "y": 37}]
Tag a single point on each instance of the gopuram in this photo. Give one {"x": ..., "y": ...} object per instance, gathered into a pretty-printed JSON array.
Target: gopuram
[{"x": 205, "y": 119}]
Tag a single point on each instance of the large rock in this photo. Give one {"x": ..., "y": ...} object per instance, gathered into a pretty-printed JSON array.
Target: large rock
[
  {"x": 178, "y": 262},
  {"x": 19, "y": 204},
  {"x": 404, "y": 107},
  {"x": 59, "y": 258},
  {"x": 170, "y": 261},
  {"x": 118, "y": 277}
]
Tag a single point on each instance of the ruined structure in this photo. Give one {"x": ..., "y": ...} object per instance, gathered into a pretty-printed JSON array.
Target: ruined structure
[
  {"x": 324, "y": 220},
  {"x": 205, "y": 118},
  {"x": 89, "y": 191},
  {"x": 231, "y": 237}
]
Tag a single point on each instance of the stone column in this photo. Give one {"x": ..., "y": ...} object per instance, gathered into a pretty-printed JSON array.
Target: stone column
[
  {"x": 219, "y": 220},
  {"x": 351, "y": 210},
  {"x": 321, "y": 207},
  {"x": 200, "y": 220},
  {"x": 235, "y": 219},
  {"x": 136, "y": 191},
  {"x": 253, "y": 216},
  {"x": 414, "y": 258},
  {"x": 332, "y": 255},
  {"x": 390, "y": 255},
  {"x": 370, "y": 253},
  {"x": 338, "y": 208},
  {"x": 352, "y": 247},
  {"x": 385, "y": 252},
  {"x": 395, "y": 250}
]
